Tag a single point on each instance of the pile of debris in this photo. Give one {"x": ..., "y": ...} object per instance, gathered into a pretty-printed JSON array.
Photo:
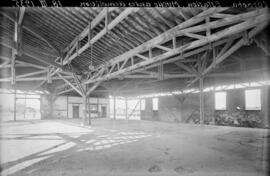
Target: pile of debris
[{"x": 252, "y": 119}]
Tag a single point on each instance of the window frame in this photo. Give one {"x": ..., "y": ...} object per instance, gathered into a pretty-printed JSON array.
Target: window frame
[
  {"x": 221, "y": 109},
  {"x": 153, "y": 100},
  {"x": 260, "y": 97}
]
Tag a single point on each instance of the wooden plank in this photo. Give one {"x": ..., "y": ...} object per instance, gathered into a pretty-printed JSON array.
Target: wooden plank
[
  {"x": 29, "y": 27},
  {"x": 93, "y": 88},
  {"x": 234, "y": 48},
  {"x": 165, "y": 36},
  {"x": 183, "y": 14},
  {"x": 32, "y": 79},
  {"x": 82, "y": 90},
  {"x": 13, "y": 69},
  {"x": 191, "y": 53},
  {"x": 191, "y": 35},
  {"x": 166, "y": 21},
  {"x": 183, "y": 66},
  {"x": 223, "y": 22},
  {"x": 49, "y": 78},
  {"x": 69, "y": 83},
  {"x": 162, "y": 47},
  {"x": 31, "y": 74},
  {"x": 21, "y": 15},
  {"x": 141, "y": 56},
  {"x": 65, "y": 91},
  {"x": 26, "y": 64},
  {"x": 112, "y": 24},
  {"x": 214, "y": 37},
  {"x": 201, "y": 102},
  {"x": 5, "y": 64},
  {"x": 28, "y": 51},
  {"x": 91, "y": 26}
]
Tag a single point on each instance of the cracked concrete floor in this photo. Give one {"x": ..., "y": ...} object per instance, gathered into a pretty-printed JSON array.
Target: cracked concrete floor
[{"x": 108, "y": 147}]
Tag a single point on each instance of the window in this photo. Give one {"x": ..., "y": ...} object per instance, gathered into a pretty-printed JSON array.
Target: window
[
  {"x": 220, "y": 100},
  {"x": 142, "y": 104},
  {"x": 155, "y": 104},
  {"x": 253, "y": 99}
]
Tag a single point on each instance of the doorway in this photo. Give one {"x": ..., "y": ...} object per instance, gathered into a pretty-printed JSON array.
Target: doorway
[
  {"x": 103, "y": 111},
  {"x": 75, "y": 109}
]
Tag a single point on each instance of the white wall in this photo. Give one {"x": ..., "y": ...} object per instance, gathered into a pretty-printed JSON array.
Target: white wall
[
  {"x": 60, "y": 107},
  {"x": 78, "y": 100},
  {"x": 6, "y": 107}
]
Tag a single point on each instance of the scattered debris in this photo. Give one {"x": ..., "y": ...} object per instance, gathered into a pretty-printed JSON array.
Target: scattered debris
[
  {"x": 181, "y": 170},
  {"x": 155, "y": 168}
]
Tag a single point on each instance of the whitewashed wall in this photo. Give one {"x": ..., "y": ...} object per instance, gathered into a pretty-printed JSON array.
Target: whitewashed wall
[{"x": 6, "y": 107}]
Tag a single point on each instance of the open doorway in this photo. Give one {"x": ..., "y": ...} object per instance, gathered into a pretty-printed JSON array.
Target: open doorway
[
  {"x": 27, "y": 107},
  {"x": 75, "y": 110}
]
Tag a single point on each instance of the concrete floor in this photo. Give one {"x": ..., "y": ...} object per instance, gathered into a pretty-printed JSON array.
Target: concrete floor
[{"x": 122, "y": 147}]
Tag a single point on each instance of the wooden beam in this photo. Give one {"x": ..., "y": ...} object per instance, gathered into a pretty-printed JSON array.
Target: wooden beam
[
  {"x": 126, "y": 103},
  {"x": 29, "y": 52},
  {"x": 13, "y": 71},
  {"x": 114, "y": 107},
  {"x": 49, "y": 78},
  {"x": 262, "y": 46},
  {"x": 110, "y": 26},
  {"x": 64, "y": 91},
  {"x": 26, "y": 64},
  {"x": 183, "y": 57},
  {"x": 165, "y": 36},
  {"x": 31, "y": 74},
  {"x": 83, "y": 91},
  {"x": 166, "y": 21},
  {"x": 201, "y": 102},
  {"x": 84, "y": 118},
  {"x": 21, "y": 15},
  {"x": 32, "y": 79},
  {"x": 183, "y": 66},
  {"x": 230, "y": 51},
  {"x": 92, "y": 88},
  {"x": 228, "y": 32},
  {"x": 29, "y": 27},
  {"x": 89, "y": 28},
  {"x": 15, "y": 104},
  {"x": 183, "y": 14},
  {"x": 5, "y": 64},
  {"x": 69, "y": 83},
  {"x": 162, "y": 47}
]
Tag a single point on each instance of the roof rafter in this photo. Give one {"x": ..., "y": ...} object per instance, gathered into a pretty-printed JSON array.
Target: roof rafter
[
  {"x": 251, "y": 19},
  {"x": 87, "y": 31},
  {"x": 29, "y": 27}
]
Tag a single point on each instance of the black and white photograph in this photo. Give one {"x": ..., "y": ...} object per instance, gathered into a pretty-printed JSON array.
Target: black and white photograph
[{"x": 134, "y": 88}]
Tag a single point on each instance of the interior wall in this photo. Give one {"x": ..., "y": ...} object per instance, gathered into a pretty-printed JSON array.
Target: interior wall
[
  {"x": 6, "y": 107},
  {"x": 63, "y": 106},
  {"x": 185, "y": 109},
  {"x": 27, "y": 107}
]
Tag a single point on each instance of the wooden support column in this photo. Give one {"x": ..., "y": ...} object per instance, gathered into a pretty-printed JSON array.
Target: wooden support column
[
  {"x": 88, "y": 109},
  {"x": 15, "y": 109},
  {"x": 13, "y": 71},
  {"x": 201, "y": 102},
  {"x": 98, "y": 113},
  {"x": 114, "y": 108},
  {"x": 13, "y": 81},
  {"x": 84, "y": 110},
  {"x": 126, "y": 102},
  {"x": 24, "y": 110},
  {"x": 265, "y": 106},
  {"x": 49, "y": 78}
]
